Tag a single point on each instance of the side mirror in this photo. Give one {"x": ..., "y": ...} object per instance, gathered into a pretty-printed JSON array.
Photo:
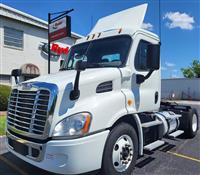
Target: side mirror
[
  {"x": 16, "y": 73},
  {"x": 80, "y": 65},
  {"x": 153, "y": 61},
  {"x": 140, "y": 78}
]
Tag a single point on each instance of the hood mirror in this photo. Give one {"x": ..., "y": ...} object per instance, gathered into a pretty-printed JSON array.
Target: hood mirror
[
  {"x": 80, "y": 66},
  {"x": 16, "y": 73}
]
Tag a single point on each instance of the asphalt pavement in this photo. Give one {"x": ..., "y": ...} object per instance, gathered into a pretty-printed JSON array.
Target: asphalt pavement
[{"x": 177, "y": 157}]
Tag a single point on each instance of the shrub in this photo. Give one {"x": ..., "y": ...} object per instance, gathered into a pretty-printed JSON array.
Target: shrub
[{"x": 4, "y": 95}]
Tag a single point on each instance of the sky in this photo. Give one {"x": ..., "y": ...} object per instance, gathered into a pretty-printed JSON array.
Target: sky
[{"x": 179, "y": 19}]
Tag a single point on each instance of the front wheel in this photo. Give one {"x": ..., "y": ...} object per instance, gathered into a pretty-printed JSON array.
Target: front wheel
[{"x": 121, "y": 151}]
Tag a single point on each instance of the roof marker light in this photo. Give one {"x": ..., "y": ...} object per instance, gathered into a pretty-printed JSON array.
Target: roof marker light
[
  {"x": 99, "y": 35},
  {"x": 120, "y": 30},
  {"x": 93, "y": 36}
]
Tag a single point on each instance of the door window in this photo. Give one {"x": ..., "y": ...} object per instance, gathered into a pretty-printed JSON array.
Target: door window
[{"x": 142, "y": 56}]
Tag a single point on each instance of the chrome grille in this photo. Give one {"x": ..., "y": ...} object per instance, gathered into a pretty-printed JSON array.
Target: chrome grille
[{"x": 28, "y": 110}]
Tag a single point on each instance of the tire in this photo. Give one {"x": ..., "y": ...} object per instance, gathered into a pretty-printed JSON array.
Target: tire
[
  {"x": 122, "y": 142},
  {"x": 193, "y": 124},
  {"x": 187, "y": 121}
]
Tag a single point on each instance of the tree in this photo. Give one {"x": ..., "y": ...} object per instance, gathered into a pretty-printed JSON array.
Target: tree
[{"x": 193, "y": 71}]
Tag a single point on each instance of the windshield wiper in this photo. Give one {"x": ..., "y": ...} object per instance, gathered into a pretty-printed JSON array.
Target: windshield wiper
[
  {"x": 63, "y": 69},
  {"x": 99, "y": 65},
  {"x": 91, "y": 65}
]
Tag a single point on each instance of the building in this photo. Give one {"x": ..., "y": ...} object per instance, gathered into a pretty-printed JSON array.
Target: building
[
  {"x": 181, "y": 88},
  {"x": 23, "y": 45}
]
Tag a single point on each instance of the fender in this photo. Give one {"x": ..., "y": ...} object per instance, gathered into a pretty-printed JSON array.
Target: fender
[{"x": 135, "y": 121}]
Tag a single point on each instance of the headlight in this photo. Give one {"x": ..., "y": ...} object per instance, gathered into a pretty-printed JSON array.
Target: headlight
[{"x": 75, "y": 125}]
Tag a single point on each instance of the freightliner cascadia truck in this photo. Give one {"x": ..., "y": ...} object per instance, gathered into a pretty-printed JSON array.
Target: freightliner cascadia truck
[{"x": 103, "y": 108}]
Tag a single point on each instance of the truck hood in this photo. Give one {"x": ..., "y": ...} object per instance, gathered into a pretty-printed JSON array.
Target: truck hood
[
  {"x": 89, "y": 80},
  {"x": 61, "y": 79}
]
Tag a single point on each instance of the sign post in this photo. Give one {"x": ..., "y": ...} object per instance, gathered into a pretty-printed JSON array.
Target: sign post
[{"x": 58, "y": 27}]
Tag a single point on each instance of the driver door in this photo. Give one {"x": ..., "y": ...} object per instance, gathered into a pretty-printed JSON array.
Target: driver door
[{"x": 147, "y": 94}]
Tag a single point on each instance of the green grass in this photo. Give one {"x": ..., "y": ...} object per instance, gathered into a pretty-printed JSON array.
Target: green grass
[{"x": 2, "y": 125}]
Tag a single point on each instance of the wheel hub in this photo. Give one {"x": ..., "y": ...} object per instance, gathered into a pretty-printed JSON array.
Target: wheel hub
[
  {"x": 122, "y": 153},
  {"x": 194, "y": 123},
  {"x": 125, "y": 152}
]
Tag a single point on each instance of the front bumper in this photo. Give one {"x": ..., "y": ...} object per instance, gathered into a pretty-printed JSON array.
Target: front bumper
[{"x": 70, "y": 156}]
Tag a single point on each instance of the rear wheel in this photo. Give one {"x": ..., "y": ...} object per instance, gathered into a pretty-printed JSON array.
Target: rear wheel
[
  {"x": 190, "y": 123},
  {"x": 121, "y": 151},
  {"x": 193, "y": 125}
]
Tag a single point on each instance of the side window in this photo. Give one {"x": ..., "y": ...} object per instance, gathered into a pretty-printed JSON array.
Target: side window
[{"x": 141, "y": 56}]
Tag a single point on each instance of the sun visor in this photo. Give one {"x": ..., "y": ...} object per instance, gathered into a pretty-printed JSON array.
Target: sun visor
[{"x": 131, "y": 18}]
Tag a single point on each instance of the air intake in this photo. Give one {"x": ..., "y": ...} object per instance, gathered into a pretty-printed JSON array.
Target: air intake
[{"x": 104, "y": 87}]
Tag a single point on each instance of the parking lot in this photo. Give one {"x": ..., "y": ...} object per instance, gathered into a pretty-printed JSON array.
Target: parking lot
[{"x": 176, "y": 157}]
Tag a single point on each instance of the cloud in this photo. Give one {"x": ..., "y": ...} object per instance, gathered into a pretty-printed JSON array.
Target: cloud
[
  {"x": 168, "y": 64},
  {"x": 179, "y": 20},
  {"x": 175, "y": 70},
  {"x": 175, "y": 76},
  {"x": 163, "y": 68},
  {"x": 147, "y": 26}
]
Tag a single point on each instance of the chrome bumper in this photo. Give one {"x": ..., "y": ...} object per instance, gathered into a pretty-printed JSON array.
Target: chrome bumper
[{"x": 26, "y": 148}]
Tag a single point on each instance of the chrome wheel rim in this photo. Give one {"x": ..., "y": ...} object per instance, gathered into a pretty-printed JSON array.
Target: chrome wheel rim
[
  {"x": 122, "y": 153},
  {"x": 194, "y": 123}
]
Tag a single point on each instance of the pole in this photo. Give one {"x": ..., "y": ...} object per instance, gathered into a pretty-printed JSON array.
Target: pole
[
  {"x": 49, "y": 51},
  {"x": 159, "y": 21}
]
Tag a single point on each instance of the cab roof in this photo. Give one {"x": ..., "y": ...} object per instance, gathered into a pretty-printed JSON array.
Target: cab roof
[
  {"x": 128, "y": 22},
  {"x": 131, "y": 19}
]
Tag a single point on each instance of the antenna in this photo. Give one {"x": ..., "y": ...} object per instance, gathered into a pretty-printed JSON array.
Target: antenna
[{"x": 91, "y": 22}]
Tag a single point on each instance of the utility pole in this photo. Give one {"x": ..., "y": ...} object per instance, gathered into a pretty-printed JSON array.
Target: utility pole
[{"x": 49, "y": 43}]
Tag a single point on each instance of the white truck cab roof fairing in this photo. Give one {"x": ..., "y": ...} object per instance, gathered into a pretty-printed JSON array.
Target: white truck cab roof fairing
[
  {"x": 131, "y": 18},
  {"x": 124, "y": 22}
]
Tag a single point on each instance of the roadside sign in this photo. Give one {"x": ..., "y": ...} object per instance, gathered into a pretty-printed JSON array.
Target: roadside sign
[{"x": 60, "y": 28}]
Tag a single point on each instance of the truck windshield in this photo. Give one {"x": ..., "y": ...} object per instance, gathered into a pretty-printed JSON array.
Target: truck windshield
[{"x": 106, "y": 52}]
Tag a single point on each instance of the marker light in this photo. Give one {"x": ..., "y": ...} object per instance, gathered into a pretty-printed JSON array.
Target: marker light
[
  {"x": 93, "y": 36},
  {"x": 120, "y": 30}
]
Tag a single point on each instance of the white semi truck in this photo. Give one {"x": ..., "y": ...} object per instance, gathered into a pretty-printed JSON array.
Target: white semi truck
[{"x": 103, "y": 108}]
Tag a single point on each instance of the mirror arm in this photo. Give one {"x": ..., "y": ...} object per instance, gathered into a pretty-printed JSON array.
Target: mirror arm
[
  {"x": 16, "y": 80},
  {"x": 141, "y": 78},
  {"x": 75, "y": 93},
  {"x": 148, "y": 75}
]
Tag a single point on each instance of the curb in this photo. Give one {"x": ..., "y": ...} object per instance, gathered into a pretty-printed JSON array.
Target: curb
[
  {"x": 3, "y": 148},
  {"x": 1, "y": 137},
  {"x": 3, "y": 113}
]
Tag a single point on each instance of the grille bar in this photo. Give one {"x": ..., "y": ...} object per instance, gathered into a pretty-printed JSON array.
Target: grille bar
[
  {"x": 28, "y": 110},
  {"x": 26, "y": 118}
]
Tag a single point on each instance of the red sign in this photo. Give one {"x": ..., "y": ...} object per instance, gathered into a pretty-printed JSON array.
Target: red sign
[
  {"x": 60, "y": 29},
  {"x": 59, "y": 50},
  {"x": 55, "y": 50}
]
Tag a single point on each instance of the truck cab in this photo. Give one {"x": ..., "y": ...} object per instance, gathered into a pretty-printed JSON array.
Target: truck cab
[{"x": 102, "y": 109}]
